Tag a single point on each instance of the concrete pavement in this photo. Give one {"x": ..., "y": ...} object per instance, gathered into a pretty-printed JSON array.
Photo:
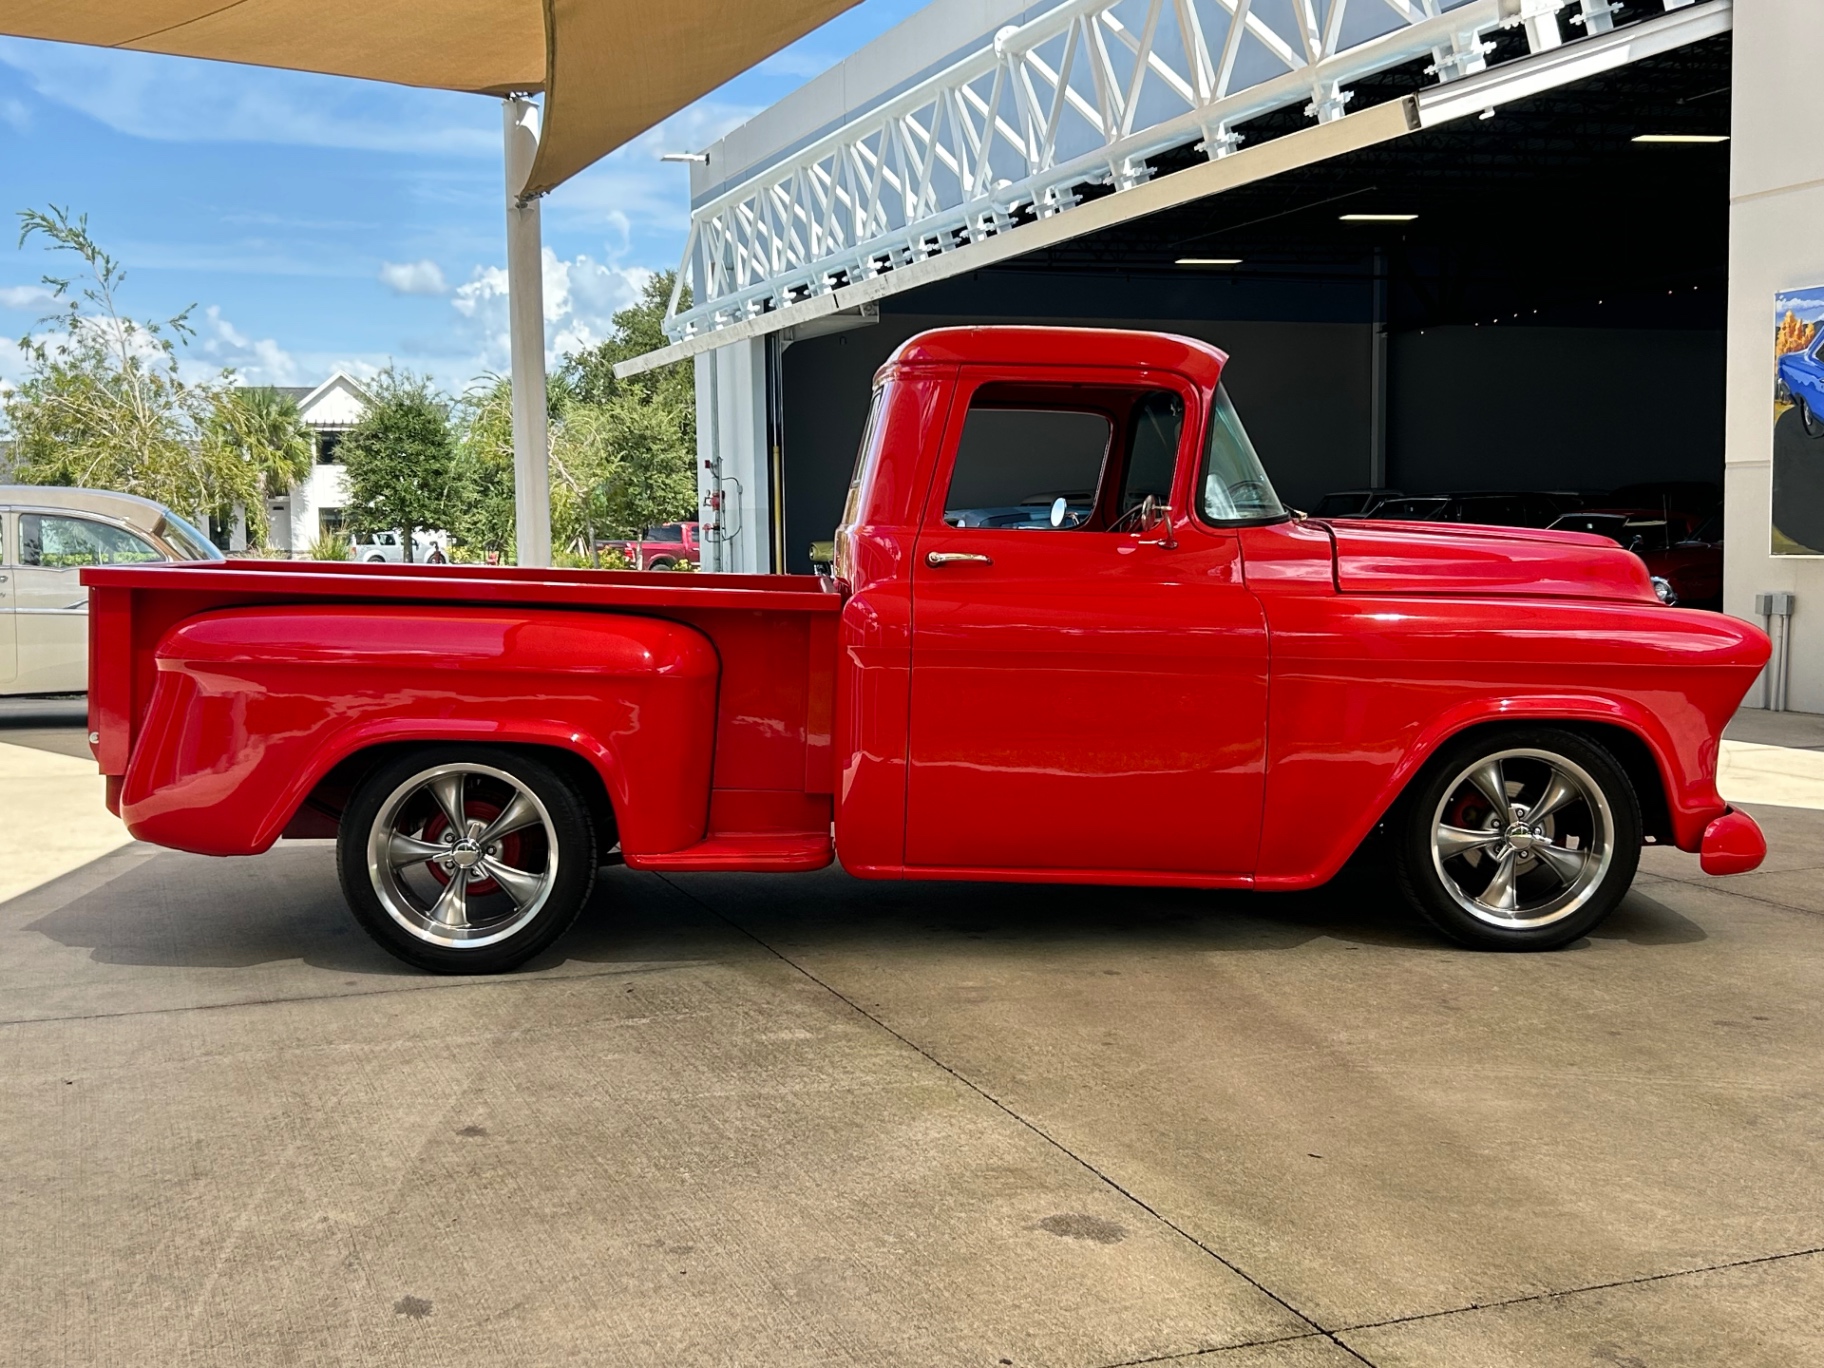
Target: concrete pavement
[
  {"x": 805, "y": 1120},
  {"x": 53, "y": 814}
]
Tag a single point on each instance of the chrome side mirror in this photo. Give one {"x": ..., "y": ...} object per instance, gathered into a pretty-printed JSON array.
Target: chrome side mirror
[
  {"x": 1060, "y": 509},
  {"x": 1155, "y": 514}
]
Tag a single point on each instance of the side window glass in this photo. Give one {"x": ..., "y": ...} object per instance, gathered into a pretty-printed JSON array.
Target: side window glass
[
  {"x": 1152, "y": 453},
  {"x": 63, "y": 543},
  {"x": 1013, "y": 464}
]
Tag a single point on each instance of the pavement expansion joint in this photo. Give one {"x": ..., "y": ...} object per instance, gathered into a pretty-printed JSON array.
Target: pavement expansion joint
[
  {"x": 1642, "y": 1281},
  {"x": 1699, "y": 880},
  {"x": 1187, "y": 1355},
  {"x": 431, "y": 983},
  {"x": 1317, "y": 1330}
]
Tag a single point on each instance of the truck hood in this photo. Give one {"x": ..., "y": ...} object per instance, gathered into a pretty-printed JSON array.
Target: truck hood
[{"x": 1429, "y": 558}]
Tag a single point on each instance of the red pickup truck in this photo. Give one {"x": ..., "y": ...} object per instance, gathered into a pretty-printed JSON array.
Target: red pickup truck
[
  {"x": 1071, "y": 636},
  {"x": 664, "y": 547}
]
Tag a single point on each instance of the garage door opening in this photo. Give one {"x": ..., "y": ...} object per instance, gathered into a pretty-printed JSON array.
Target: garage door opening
[{"x": 1533, "y": 300}]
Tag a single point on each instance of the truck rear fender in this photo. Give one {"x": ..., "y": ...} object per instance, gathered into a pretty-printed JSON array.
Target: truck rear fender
[{"x": 254, "y": 707}]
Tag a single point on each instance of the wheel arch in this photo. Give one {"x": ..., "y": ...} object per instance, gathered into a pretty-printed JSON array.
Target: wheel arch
[
  {"x": 320, "y": 811},
  {"x": 1632, "y": 734},
  {"x": 1629, "y": 747}
]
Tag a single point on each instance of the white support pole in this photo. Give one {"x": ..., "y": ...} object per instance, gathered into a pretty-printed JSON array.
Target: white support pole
[{"x": 526, "y": 320}]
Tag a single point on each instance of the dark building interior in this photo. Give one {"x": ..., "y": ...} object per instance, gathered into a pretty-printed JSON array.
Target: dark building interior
[{"x": 1553, "y": 314}]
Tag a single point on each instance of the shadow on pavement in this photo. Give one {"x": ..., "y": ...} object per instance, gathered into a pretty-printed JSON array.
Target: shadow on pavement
[
  {"x": 175, "y": 910},
  {"x": 829, "y": 910},
  {"x": 192, "y": 911},
  {"x": 60, "y": 725}
]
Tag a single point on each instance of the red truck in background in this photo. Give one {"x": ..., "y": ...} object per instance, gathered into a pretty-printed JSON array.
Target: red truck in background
[
  {"x": 664, "y": 547},
  {"x": 1071, "y": 635}
]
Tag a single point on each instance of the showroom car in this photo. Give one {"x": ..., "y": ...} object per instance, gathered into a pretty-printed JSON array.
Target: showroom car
[
  {"x": 1801, "y": 382},
  {"x": 1685, "y": 551}
]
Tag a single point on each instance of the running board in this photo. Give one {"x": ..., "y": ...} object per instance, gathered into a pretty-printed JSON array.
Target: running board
[{"x": 767, "y": 851}]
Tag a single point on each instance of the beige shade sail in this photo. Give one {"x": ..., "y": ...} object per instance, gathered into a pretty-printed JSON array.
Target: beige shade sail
[{"x": 609, "y": 69}]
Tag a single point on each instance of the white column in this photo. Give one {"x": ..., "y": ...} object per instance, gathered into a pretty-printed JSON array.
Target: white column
[
  {"x": 526, "y": 317},
  {"x": 1776, "y": 188},
  {"x": 732, "y": 454}
]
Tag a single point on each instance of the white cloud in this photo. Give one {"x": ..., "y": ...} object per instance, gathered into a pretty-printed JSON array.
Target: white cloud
[
  {"x": 414, "y": 277},
  {"x": 258, "y": 361},
  {"x": 25, "y": 296},
  {"x": 582, "y": 295},
  {"x": 13, "y": 364},
  {"x": 15, "y": 115},
  {"x": 176, "y": 99}
]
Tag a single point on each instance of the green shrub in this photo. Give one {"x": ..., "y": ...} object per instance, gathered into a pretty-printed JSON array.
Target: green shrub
[{"x": 329, "y": 547}]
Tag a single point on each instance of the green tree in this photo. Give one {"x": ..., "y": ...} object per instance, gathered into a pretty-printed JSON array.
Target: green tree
[
  {"x": 638, "y": 329},
  {"x": 103, "y": 403},
  {"x": 617, "y": 468},
  {"x": 400, "y": 458},
  {"x": 482, "y": 474},
  {"x": 263, "y": 428},
  {"x": 622, "y": 452}
]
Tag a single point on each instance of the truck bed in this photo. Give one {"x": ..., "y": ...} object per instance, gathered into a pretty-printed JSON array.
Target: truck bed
[{"x": 774, "y": 636}]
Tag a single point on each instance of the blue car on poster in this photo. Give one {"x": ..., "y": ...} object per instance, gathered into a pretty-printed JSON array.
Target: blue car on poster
[{"x": 1801, "y": 380}]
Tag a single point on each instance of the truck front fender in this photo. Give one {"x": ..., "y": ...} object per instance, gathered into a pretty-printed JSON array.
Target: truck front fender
[{"x": 253, "y": 706}]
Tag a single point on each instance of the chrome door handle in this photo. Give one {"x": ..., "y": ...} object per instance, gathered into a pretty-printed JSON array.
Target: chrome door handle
[{"x": 935, "y": 558}]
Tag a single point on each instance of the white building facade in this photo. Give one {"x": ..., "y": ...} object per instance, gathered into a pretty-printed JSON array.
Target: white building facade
[{"x": 314, "y": 507}]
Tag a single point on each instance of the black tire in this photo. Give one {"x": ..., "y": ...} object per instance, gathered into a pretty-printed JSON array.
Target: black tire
[
  {"x": 1807, "y": 419},
  {"x": 1566, "y": 870},
  {"x": 662, "y": 563},
  {"x": 546, "y": 863}
]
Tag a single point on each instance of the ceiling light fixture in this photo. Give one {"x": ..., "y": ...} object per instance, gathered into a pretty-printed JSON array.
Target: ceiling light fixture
[
  {"x": 1681, "y": 138},
  {"x": 1376, "y": 218},
  {"x": 1208, "y": 261}
]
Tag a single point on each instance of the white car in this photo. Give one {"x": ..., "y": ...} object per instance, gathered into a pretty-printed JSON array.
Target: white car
[
  {"x": 47, "y": 534},
  {"x": 390, "y": 546}
]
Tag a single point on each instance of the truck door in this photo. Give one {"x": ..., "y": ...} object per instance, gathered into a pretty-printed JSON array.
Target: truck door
[{"x": 1085, "y": 696}]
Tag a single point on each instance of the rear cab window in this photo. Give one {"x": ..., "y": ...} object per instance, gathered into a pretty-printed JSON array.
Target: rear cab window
[
  {"x": 1054, "y": 458},
  {"x": 1014, "y": 464}
]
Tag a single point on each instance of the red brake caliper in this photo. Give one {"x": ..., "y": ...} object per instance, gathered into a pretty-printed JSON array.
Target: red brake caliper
[{"x": 481, "y": 810}]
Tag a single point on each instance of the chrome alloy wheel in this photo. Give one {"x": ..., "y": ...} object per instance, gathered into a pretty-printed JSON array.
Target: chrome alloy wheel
[
  {"x": 462, "y": 855},
  {"x": 1522, "y": 838}
]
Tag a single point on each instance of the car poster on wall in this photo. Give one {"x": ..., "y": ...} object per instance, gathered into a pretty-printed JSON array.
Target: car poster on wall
[{"x": 1798, "y": 422}]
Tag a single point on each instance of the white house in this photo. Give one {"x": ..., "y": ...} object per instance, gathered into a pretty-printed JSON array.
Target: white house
[{"x": 315, "y": 506}]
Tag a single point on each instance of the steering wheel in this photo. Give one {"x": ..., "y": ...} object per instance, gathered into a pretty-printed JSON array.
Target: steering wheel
[
  {"x": 1254, "y": 488},
  {"x": 1135, "y": 514}
]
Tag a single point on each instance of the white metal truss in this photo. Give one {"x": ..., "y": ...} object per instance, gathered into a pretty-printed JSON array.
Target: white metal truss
[{"x": 1082, "y": 95}]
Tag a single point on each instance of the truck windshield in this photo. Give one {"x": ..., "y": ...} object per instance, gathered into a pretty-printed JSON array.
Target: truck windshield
[{"x": 1235, "y": 486}]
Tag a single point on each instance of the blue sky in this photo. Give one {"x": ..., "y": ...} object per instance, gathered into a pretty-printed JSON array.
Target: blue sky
[{"x": 318, "y": 223}]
